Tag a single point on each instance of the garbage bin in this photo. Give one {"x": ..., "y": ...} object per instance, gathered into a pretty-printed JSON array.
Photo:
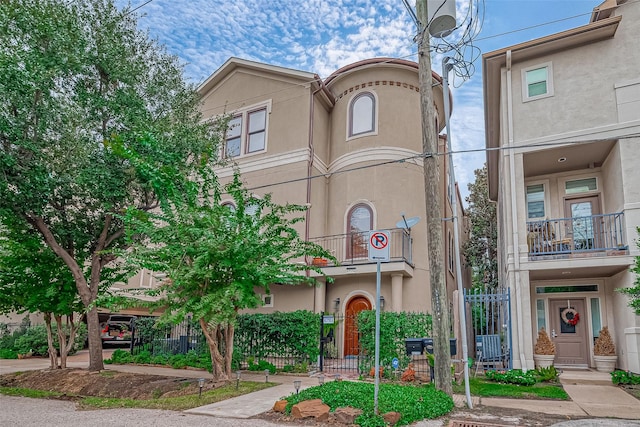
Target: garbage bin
[{"x": 413, "y": 346}]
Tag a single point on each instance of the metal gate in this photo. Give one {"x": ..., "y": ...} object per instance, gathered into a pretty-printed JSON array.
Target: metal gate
[{"x": 490, "y": 318}]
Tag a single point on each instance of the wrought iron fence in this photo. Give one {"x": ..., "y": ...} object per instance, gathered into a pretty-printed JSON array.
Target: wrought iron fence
[
  {"x": 335, "y": 349},
  {"x": 353, "y": 248},
  {"x": 491, "y": 322},
  {"x": 167, "y": 339}
]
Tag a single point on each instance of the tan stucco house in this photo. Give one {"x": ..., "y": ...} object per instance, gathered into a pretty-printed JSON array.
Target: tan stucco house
[
  {"x": 562, "y": 118},
  {"x": 350, "y": 147}
]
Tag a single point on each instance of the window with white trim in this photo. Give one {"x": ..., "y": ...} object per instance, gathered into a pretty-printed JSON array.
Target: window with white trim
[
  {"x": 247, "y": 132},
  {"x": 535, "y": 201},
  {"x": 362, "y": 114},
  {"x": 537, "y": 82}
]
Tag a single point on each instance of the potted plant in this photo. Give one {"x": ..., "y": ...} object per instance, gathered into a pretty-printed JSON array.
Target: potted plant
[
  {"x": 604, "y": 352},
  {"x": 544, "y": 351},
  {"x": 320, "y": 262}
]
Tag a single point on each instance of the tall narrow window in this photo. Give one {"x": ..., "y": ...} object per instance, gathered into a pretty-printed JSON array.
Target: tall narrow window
[
  {"x": 362, "y": 114},
  {"x": 257, "y": 130},
  {"x": 535, "y": 201},
  {"x": 234, "y": 135},
  {"x": 359, "y": 223}
]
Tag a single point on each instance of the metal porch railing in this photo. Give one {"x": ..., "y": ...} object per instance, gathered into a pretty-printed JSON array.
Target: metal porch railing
[
  {"x": 353, "y": 248},
  {"x": 595, "y": 233}
]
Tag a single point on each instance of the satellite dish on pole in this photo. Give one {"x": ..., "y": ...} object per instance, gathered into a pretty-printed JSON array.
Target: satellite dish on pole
[{"x": 407, "y": 223}]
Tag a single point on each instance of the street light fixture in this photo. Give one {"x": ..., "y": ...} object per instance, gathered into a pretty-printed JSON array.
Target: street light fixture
[
  {"x": 321, "y": 379},
  {"x": 297, "y": 384},
  {"x": 266, "y": 375},
  {"x": 237, "y": 379}
]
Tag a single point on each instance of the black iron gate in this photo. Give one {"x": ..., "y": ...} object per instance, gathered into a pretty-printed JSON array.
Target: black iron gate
[{"x": 490, "y": 319}]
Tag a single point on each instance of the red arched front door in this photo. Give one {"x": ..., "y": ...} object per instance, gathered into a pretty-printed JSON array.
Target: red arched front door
[{"x": 354, "y": 306}]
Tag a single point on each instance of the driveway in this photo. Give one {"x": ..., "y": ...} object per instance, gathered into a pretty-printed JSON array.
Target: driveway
[{"x": 25, "y": 412}]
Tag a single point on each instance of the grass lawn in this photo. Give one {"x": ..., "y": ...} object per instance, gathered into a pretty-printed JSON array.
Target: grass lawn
[
  {"x": 179, "y": 403},
  {"x": 486, "y": 388}
]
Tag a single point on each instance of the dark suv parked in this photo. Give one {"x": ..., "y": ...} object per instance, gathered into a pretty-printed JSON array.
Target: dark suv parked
[{"x": 118, "y": 329}]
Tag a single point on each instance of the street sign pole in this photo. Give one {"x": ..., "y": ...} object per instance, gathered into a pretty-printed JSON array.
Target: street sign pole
[
  {"x": 378, "y": 252},
  {"x": 377, "y": 352}
]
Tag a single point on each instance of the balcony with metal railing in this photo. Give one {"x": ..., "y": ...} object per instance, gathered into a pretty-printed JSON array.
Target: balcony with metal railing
[
  {"x": 353, "y": 248},
  {"x": 595, "y": 235}
]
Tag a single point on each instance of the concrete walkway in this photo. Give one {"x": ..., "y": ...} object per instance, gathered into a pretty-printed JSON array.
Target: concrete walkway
[{"x": 592, "y": 393}]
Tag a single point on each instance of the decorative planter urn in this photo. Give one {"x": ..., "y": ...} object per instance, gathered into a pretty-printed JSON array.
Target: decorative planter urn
[
  {"x": 605, "y": 363},
  {"x": 543, "y": 360}
]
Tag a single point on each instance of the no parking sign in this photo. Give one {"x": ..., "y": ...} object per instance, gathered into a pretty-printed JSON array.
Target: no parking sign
[{"x": 379, "y": 245}]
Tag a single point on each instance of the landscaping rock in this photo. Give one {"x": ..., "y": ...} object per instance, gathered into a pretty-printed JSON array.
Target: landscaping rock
[
  {"x": 392, "y": 418},
  {"x": 346, "y": 415},
  {"x": 280, "y": 405},
  {"x": 311, "y": 408}
]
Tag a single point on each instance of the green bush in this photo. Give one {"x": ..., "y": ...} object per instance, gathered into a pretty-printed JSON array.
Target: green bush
[
  {"x": 294, "y": 334},
  {"x": 34, "y": 340},
  {"x": 413, "y": 402},
  {"x": 7, "y": 353},
  {"x": 394, "y": 329},
  {"x": 261, "y": 366},
  {"x": 624, "y": 377},
  {"x": 512, "y": 376},
  {"x": 549, "y": 374}
]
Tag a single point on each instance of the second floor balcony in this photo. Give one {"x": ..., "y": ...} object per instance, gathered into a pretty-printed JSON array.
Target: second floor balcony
[
  {"x": 353, "y": 248},
  {"x": 595, "y": 235}
]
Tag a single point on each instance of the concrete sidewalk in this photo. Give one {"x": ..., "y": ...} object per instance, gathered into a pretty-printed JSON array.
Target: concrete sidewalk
[{"x": 592, "y": 393}]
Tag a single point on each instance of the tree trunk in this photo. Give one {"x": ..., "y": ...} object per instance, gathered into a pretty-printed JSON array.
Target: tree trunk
[
  {"x": 228, "y": 353},
  {"x": 53, "y": 359},
  {"x": 65, "y": 344},
  {"x": 211, "y": 333},
  {"x": 95, "y": 341}
]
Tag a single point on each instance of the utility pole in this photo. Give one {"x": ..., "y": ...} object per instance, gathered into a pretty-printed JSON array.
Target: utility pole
[{"x": 439, "y": 302}]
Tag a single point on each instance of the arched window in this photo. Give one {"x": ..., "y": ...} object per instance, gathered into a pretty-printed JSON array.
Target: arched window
[
  {"x": 362, "y": 114},
  {"x": 359, "y": 223}
]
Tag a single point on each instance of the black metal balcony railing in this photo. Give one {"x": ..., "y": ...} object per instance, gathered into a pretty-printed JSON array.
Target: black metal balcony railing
[
  {"x": 353, "y": 248},
  {"x": 596, "y": 233}
]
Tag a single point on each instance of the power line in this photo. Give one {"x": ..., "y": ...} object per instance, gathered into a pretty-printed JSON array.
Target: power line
[{"x": 444, "y": 153}]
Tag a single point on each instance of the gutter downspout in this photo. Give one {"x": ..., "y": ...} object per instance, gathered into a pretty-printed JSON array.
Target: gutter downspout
[{"x": 514, "y": 215}]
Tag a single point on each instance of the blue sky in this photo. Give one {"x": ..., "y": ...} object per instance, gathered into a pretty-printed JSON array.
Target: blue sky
[{"x": 321, "y": 36}]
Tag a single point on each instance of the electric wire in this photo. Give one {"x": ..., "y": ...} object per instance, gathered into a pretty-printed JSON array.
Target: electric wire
[{"x": 438, "y": 154}]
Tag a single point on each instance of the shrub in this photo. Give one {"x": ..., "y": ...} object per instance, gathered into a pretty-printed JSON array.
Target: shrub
[
  {"x": 512, "y": 376},
  {"x": 549, "y": 374},
  {"x": 413, "y": 402},
  {"x": 624, "y": 377},
  {"x": 261, "y": 366},
  {"x": 34, "y": 340},
  {"x": 394, "y": 328},
  {"x": 295, "y": 334}
]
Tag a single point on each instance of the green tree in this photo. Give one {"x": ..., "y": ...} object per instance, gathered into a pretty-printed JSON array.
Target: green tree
[
  {"x": 481, "y": 249},
  {"x": 83, "y": 94},
  {"x": 34, "y": 279},
  {"x": 633, "y": 292},
  {"x": 216, "y": 257}
]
